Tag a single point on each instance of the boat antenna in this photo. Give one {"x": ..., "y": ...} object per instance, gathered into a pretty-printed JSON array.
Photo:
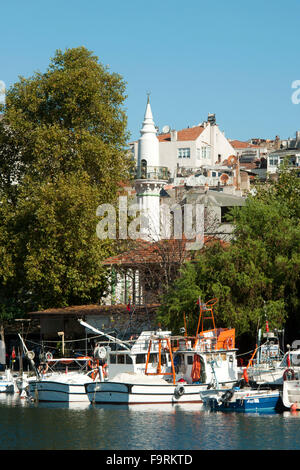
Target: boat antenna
[
  {"x": 29, "y": 355},
  {"x": 116, "y": 340}
]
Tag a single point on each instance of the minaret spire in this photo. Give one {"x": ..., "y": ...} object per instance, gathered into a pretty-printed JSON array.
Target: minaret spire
[{"x": 149, "y": 182}]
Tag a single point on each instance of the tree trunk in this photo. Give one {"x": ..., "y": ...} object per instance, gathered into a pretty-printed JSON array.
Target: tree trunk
[{"x": 2, "y": 332}]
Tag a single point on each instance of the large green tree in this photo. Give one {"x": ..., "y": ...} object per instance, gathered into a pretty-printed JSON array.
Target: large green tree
[
  {"x": 62, "y": 153},
  {"x": 256, "y": 276}
]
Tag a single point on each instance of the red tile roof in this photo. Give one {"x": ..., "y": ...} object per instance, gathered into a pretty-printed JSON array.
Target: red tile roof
[
  {"x": 170, "y": 251},
  {"x": 145, "y": 252},
  {"x": 237, "y": 144},
  {"x": 95, "y": 309},
  {"x": 191, "y": 133}
]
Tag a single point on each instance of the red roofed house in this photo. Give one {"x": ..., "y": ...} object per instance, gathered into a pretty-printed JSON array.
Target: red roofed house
[
  {"x": 190, "y": 148},
  {"x": 249, "y": 155}
]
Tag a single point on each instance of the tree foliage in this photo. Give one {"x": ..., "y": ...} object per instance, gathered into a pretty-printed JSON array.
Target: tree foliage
[
  {"x": 62, "y": 153},
  {"x": 257, "y": 275}
]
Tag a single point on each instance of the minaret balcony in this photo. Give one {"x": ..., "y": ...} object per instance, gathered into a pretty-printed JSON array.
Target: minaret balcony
[{"x": 153, "y": 173}]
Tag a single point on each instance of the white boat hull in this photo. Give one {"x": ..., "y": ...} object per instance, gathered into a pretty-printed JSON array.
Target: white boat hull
[
  {"x": 7, "y": 384},
  {"x": 7, "y": 388},
  {"x": 291, "y": 394},
  {"x": 58, "y": 392},
  {"x": 128, "y": 393}
]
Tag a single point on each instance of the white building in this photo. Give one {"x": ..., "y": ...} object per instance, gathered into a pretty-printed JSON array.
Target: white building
[
  {"x": 191, "y": 148},
  {"x": 289, "y": 152},
  {"x": 247, "y": 152}
]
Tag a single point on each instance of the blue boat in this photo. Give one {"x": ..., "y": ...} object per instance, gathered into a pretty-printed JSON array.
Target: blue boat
[{"x": 245, "y": 400}]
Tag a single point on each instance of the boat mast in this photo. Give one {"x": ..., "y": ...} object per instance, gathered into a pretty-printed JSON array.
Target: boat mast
[
  {"x": 158, "y": 370},
  {"x": 29, "y": 356}
]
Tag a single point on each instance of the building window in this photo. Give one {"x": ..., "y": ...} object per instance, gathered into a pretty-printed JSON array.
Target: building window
[
  {"x": 205, "y": 152},
  {"x": 198, "y": 152},
  {"x": 184, "y": 153},
  {"x": 274, "y": 161}
]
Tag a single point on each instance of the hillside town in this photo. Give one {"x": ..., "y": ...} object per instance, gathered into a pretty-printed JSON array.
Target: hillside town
[
  {"x": 196, "y": 165},
  {"x": 149, "y": 229}
]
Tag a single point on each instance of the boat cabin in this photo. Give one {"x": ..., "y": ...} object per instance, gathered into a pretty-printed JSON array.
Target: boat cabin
[{"x": 134, "y": 359}]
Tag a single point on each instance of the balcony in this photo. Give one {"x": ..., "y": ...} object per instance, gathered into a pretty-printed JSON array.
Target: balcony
[{"x": 153, "y": 173}]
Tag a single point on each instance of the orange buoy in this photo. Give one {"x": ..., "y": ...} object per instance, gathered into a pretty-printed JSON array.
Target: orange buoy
[{"x": 294, "y": 407}]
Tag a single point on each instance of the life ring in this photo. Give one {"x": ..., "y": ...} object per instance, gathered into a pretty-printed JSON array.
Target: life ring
[
  {"x": 31, "y": 355},
  {"x": 288, "y": 374},
  {"x": 100, "y": 352},
  {"x": 179, "y": 391},
  {"x": 227, "y": 396}
]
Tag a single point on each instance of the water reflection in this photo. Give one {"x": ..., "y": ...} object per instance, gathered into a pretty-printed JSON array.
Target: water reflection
[
  {"x": 153, "y": 408},
  {"x": 27, "y": 425}
]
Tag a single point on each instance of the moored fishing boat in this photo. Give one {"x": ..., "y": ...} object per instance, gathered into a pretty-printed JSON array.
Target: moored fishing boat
[
  {"x": 242, "y": 400},
  {"x": 290, "y": 393},
  {"x": 57, "y": 383},
  {"x": 277, "y": 375},
  {"x": 186, "y": 365}
]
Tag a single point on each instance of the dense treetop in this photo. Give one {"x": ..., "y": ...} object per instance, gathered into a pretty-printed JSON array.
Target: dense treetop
[{"x": 62, "y": 153}]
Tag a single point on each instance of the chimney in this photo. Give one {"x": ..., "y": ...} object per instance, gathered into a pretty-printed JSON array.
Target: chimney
[{"x": 173, "y": 135}]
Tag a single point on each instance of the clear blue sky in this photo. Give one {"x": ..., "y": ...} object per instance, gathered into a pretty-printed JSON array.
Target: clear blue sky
[{"x": 234, "y": 58}]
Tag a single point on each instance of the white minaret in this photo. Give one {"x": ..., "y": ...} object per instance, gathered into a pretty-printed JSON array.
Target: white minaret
[
  {"x": 148, "y": 145},
  {"x": 150, "y": 178}
]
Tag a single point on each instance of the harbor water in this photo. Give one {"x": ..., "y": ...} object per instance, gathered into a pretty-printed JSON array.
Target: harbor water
[{"x": 46, "y": 426}]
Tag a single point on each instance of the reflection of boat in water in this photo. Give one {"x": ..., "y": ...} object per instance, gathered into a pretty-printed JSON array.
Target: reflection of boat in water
[
  {"x": 158, "y": 408},
  {"x": 242, "y": 400},
  {"x": 7, "y": 384},
  {"x": 186, "y": 365}
]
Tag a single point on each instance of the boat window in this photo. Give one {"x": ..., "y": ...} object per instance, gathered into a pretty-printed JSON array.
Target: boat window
[
  {"x": 153, "y": 357},
  {"x": 190, "y": 360},
  {"x": 128, "y": 359},
  {"x": 120, "y": 359},
  {"x": 178, "y": 360},
  {"x": 163, "y": 358},
  {"x": 140, "y": 359},
  {"x": 230, "y": 358},
  {"x": 112, "y": 358}
]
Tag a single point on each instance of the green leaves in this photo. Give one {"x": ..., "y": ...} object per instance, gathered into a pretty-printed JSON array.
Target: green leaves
[
  {"x": 257, "y": 275},
  {"x": 62, "y": 153}
]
